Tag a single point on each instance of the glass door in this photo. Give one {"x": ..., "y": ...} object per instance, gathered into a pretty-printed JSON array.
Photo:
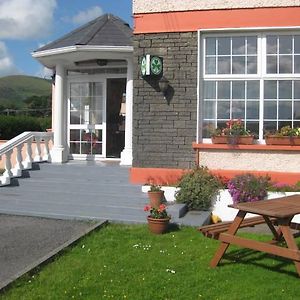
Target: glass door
[{"x": 87, "y": 119}]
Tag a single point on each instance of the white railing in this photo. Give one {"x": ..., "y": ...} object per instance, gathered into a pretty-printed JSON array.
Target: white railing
[{"x": 16, "y": 145}]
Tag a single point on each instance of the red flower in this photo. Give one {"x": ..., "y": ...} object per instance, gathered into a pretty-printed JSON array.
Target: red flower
[
  {"x": 162, "y": 207},
  {"x": 147, "y": 207}
]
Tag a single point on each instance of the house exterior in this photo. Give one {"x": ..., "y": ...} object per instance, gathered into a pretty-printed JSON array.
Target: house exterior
[
  {"x": 92, "y": 91},
  {"x": 223, "y": 60}
]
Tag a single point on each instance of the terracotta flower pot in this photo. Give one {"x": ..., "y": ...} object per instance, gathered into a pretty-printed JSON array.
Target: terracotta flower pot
[
  {"x": 158, "y": 226},
  {"x": 155, "y": 198},
  {"x": 296, "y": 141},
  {"x": 233, "y": 140},
  {"x": 219, "y": 139},
  {"x": 278, "y": 140}
]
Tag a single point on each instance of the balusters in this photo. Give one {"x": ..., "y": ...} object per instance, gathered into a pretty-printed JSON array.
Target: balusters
[
  {"x": 42, "y": 153},
  {"x": 38, "y": 157},
  {"x": 17, "y": 170},
  {"x": 46, "y": 156},
  {"x": 28, "y": 161},
  {"x": 5, "y": 178}
]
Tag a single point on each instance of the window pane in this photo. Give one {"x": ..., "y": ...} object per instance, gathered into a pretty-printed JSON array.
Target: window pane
[
  {"x": 284, "y": 123},
  {"x": 223, "y": 110},
  {"x": 210, "y": 90},
  {"x": 238, "y": 45},
  {"x": 84, "y": 89},
  {"x": 253, "y": 127},
  {"x": 221, "y": 124},
  {"x": 96, "y": 116},
  {"x": 238, "y": 89},
  {"x": 210, "y": 65},
  {"x": 251, "y": 45},
  {"x": 270, "y": 110},
  {"x": 207, "y": 127},
  {"x": 297, "y": 64},
  {"x": 97, "y": 89},
  {"x": 223, "y": 89},
  {"x": 271, "y": 64},
  {"x": 74, "y": 135},
  {"x": 238, "y": 65},
  {"x": 270, "y": 91},
  {"x": 210, "y": 46},
  {"x": 224, "y": 46},
  {"x": 209, "y": 109},
  {"x": 285, "y": 44},
  {"x": 251, "y": 65},
  {"x": 285, "y": 64},
  {"x": 285, "y": 110},
  {"x": 271, "y": 44},
  {"x": 297, "y": 110},
  {"x": 297, "y": 44},
  {"x": 252, "y": 110},
  {"x": 224, "y": 65},
  {"x": 270, "y": 126},
  {"x": 238, "y": 110},
  {"x": 253, "y": 89},
  {"x": 297, "y": 89},
  {"x": 285, "y": 89},
  {"x": 75, "y": 117},
  {"x": 74, "y": 90}
]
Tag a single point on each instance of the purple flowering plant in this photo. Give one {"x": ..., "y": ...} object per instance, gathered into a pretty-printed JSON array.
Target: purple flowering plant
[{"x": 248, "y": 188}]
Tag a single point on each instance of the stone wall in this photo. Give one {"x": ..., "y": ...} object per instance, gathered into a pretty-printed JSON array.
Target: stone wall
[
  {"x": 142, "y": 6},
  {"x": 164, "y": 129}
]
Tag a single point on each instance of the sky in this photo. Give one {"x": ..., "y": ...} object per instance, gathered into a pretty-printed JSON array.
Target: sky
[{"x": 26, "y": 25}]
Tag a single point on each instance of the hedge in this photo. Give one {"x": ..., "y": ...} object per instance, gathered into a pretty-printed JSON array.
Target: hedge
[{"x": 11, "y": 126}]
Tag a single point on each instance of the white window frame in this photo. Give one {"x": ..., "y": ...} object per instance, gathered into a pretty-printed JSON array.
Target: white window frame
[{"x": 261, "y": 33}]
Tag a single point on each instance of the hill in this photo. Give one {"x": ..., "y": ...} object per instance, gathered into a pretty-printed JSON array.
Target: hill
[{"x": 15, "y": 89}]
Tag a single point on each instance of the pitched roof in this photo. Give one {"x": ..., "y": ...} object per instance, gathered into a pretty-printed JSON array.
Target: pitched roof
[{"x": 106, "y": 30}]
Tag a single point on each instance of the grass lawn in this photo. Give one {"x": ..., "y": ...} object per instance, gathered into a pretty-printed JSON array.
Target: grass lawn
[{"x": 127, "y": 262}]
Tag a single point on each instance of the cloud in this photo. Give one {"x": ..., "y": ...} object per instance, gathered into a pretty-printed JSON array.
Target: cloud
[
  {"x": 7, "y": 66},
  {"x": 44, "y": 72},
  {"x": 25, "y": 19},
  {"x": 87, "y": 15}
]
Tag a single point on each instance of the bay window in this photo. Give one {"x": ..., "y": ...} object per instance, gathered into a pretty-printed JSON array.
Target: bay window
[{"x": 254, "y": 77}]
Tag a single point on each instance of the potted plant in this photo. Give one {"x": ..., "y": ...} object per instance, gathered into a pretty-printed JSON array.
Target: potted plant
[
  {"x": 284, "y": 136},
  {"x": 158, "y": 219},
  {"x": 248, "y": 188},
  {"x": 156, "y": 195},
  {"x": 198, "y": 188},
  {"x": 233, "y": 133}
]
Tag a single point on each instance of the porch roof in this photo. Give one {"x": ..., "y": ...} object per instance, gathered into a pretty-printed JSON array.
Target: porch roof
[
  {"x": 106, "y": 30},
  {"x": 106, "y": 37}
]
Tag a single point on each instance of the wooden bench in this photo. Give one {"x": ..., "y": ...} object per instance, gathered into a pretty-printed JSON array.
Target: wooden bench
[{"x": 214, "y": 230}]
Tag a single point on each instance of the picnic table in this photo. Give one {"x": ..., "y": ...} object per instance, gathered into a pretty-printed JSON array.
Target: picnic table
[{"x": 276, "y": 213}]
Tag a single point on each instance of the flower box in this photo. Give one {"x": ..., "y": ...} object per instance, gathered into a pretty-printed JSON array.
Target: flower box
[
  {"x": 296, "y": 141},
  {"x": 283, "y": 140},
  {"x": 233, "y": 140}
]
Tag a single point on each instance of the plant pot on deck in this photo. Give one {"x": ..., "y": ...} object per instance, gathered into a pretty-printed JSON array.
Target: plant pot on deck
[
  {"x": 156, "y": 198},
  {"x": 158, "y": 226}
]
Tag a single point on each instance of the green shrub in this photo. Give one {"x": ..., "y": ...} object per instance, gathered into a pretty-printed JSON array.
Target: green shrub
[
  {"x": 11, "y": 126},
  {"x": 197, "y": 189}
]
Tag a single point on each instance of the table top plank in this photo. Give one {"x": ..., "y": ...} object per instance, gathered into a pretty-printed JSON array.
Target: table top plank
[{"x": 279, "y": 208}]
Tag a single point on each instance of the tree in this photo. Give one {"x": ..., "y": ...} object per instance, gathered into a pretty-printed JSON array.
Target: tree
[{"x": 39, "y": 106}]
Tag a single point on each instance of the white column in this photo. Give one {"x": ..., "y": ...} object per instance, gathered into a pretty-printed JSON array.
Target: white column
[
  {"x": 58, "y": 150},
  {"x": 126, "y": 154}
]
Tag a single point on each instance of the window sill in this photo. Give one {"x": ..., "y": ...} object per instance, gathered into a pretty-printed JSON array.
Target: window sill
[{"x": 254, "y": 147}]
